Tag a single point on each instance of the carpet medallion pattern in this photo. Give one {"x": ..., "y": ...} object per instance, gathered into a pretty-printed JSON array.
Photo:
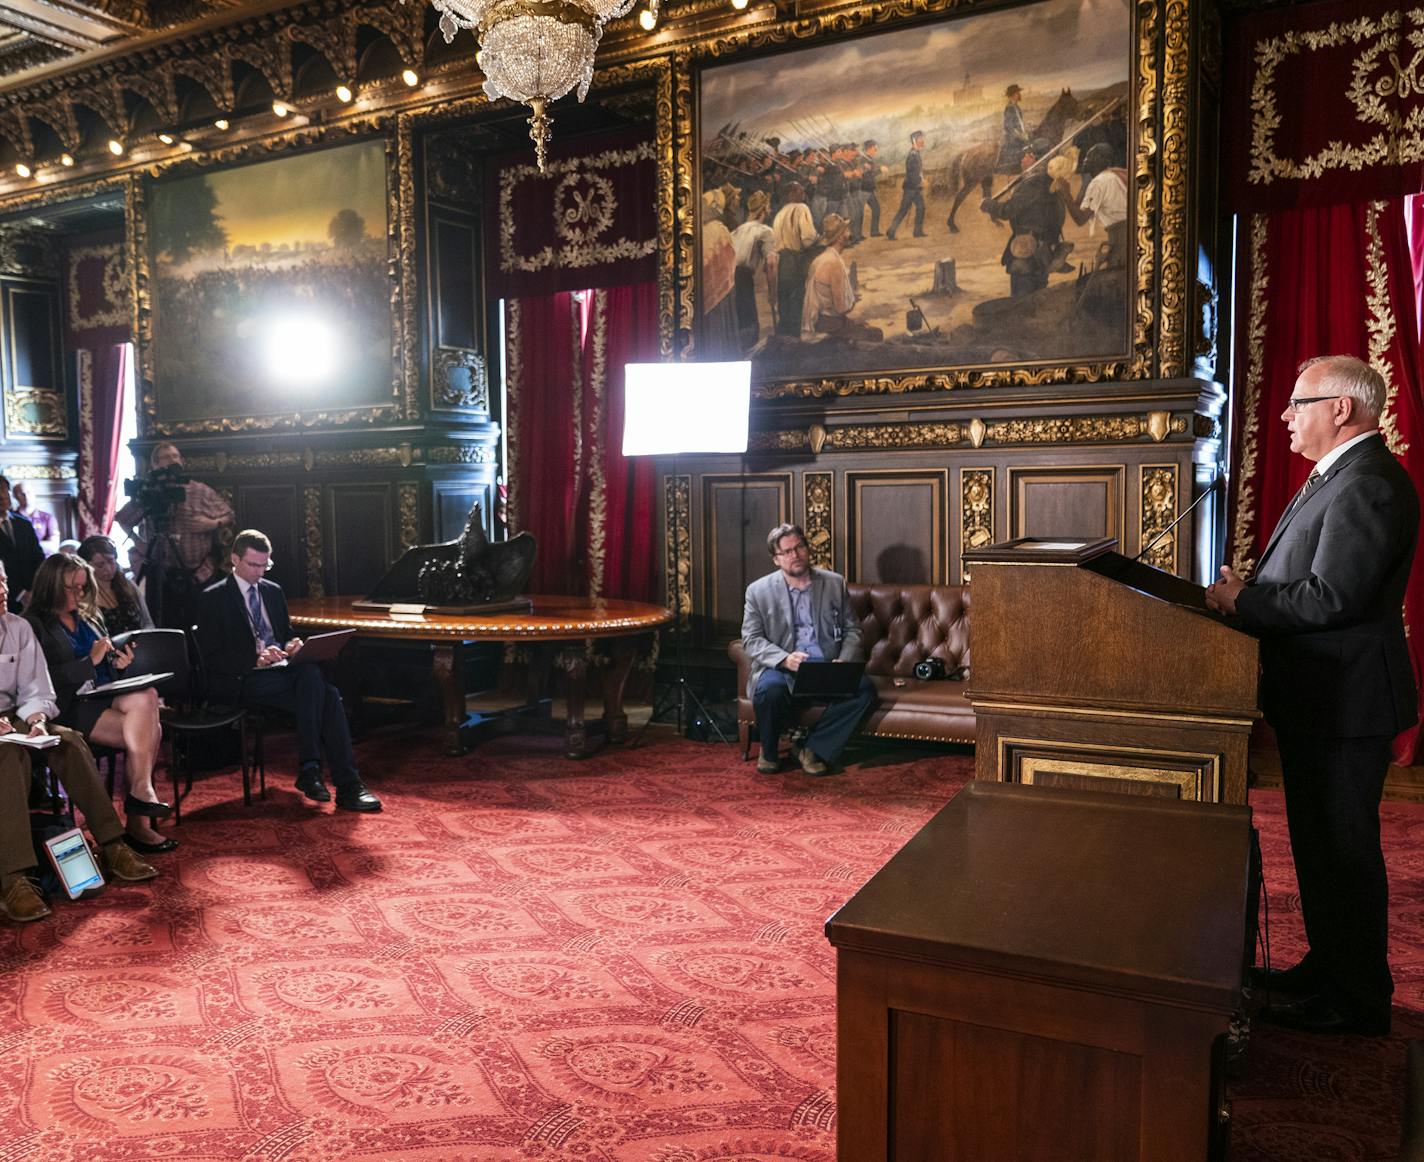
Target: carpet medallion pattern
[{"x": 619, "y": 960}]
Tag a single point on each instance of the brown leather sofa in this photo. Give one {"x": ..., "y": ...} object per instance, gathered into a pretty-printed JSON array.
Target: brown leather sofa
[{"x": 901, "y": 625}]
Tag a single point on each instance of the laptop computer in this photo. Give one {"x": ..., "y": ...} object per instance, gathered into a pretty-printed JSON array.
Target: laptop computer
[{"x": 827, "y": 679}]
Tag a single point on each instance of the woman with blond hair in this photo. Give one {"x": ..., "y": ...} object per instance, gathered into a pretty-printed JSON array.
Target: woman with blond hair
[{"x": 63, "y": 612}]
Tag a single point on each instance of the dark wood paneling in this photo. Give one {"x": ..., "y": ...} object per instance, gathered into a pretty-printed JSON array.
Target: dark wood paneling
[
  {"x": 895, "y": 525},
  {"x": 455, "y": 264},
  {"x": 738, "y": 512},
  {"x": 452, "y": 507},
  {"x": 969, "y": 1086},
  {"x": 275, "y": 509},
  {"x": 362, "y": 537},
  {"x": 1070, "y": 502},
  {"x": 33, "y": 349}
]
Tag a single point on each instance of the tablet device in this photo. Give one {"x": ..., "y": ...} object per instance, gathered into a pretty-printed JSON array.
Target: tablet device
[
  {"x": 122, "y": 685},
  {"x": 827, "y": 679},
  {"x": 74, "y": 862}
]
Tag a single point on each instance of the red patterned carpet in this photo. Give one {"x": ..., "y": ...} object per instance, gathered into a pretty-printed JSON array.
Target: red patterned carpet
[{"x": 524, "y": 958}]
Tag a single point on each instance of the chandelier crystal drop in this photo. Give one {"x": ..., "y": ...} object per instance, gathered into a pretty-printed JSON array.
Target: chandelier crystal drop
[{"x": 533, "y": 51}]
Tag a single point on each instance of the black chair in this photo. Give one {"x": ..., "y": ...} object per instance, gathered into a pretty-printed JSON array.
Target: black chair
[{"x": 185, "y": 714}]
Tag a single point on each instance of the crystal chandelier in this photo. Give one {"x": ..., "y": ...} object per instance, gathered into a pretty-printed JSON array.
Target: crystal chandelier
[{"x": 533, "y": 51}]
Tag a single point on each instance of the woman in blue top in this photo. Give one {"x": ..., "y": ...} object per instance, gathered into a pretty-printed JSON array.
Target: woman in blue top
[{"x": 64, "y": 616}]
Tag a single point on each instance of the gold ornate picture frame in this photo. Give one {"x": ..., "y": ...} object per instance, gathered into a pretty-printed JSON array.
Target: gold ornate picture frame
[
  {"x": 394, "y": 397},
  {"x": 1156, "y": 107}
]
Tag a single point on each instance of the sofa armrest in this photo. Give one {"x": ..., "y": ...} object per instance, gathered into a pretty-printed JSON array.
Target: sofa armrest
[{"x": 744, "y": 665}]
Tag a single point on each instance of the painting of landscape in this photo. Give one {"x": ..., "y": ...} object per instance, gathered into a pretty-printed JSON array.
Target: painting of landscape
[
  {"x": 955, "y": 194},
  {"x": 271, "y": 289}
]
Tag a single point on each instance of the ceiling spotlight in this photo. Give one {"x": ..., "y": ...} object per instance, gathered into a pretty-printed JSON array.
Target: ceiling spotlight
[
  {"x": 647, "y": 19},
  {"x": 343, "y": 93},
  {"x": 166, "y": 138},
  {"x": 23, "y": 170},
  {"x": 280, "y": 108},
  {"x": 66, "y": 159},
  {"x": 410, "y": 77},
  {"x": 739, "y": 5},
  {"x": 222, "y": 123},
  {"x": 116, "y": 147}
]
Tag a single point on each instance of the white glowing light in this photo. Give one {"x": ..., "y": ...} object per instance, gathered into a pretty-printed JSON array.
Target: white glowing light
[{"x": 299, "y": 350}]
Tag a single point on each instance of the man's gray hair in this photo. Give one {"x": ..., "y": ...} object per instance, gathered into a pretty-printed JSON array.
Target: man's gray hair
[
  {"x": 1355, "y": 378},
  {"x": 773, "y": 538}
]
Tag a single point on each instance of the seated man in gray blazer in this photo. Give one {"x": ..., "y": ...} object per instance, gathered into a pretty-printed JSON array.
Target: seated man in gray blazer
[{"x": 796, "y": 614}]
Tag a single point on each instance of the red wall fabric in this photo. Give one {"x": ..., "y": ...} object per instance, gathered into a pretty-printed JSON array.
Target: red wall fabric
[
  {"x": 590, "y": 509},
  {"x": 1328, "y": 280},
  {"x": 1324, "y": 95}
]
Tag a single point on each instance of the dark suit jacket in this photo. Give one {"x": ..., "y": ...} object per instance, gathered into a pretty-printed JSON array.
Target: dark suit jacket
[
  {"x": 1327, "y": 602},
  {"x": 225, "y": 634},
  {"x": 22, "y": 556},
  {"x": 66, "y": 672},
  {"x": 769, "y": 633}
]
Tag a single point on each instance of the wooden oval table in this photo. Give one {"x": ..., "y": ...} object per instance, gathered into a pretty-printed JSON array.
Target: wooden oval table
[{"x": 551, "y": 622}]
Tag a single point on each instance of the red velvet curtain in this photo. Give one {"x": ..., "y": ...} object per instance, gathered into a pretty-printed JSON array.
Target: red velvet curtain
[
  {"x": 590, "y": 509},
  {"x": 96, "y": 328},
  {"x": 1327, "y": 280}
]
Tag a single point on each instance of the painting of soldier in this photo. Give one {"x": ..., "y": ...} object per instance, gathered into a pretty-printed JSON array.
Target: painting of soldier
[{"x": 993, "y": 151}]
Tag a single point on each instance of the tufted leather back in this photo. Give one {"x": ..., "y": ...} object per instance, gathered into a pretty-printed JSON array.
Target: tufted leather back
[{"x": 904, "y": 624}]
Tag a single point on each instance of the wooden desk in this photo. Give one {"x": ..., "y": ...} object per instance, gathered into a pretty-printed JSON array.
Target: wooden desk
[
  {"x": 1043, "y": 974},
  {"x": 552, "y": 621}
]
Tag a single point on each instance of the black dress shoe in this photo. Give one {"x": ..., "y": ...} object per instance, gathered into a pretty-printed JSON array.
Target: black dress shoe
[
  {"x": 143, "y": 847},
  {"x": 135, "y": 806},
  {"x": 1317, "y": 1015},
  {"x": 310, "y": 784},
  {"x": 1296, "y": 981},
  {"x": 355, "y": 797}
]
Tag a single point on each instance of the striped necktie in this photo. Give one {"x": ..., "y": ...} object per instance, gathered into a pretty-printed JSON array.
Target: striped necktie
[
  {"x": 259, "y": 624},
  {"x": 1310, "y": 482}
]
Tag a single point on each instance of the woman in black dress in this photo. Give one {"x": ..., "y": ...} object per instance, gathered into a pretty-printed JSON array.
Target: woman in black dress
[
  {"x": 121, "y": 605},
  {"x": 64, "y": 616}
]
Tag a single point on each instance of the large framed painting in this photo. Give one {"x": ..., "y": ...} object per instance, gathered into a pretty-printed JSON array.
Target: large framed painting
[
  {"x": 271, "y": 290},
  {"x": 953, "y": 194}
]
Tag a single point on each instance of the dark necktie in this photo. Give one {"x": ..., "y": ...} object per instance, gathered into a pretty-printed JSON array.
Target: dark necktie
[
  {"x": 1310, "y": 482},
  {"x": 7, "y": 530},
  {"x": 254, "y": 609}
]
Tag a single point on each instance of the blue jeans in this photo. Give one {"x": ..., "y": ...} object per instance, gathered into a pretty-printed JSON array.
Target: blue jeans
[{"x": 774, "y": 708}]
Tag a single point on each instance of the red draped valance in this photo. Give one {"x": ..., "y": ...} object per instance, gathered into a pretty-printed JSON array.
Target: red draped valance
[
  {"x": 590, "y": 221},
  {"x": 1333, "y": 109}
]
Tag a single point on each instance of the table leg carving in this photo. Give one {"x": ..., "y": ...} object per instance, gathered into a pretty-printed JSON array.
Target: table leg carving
[
  {"x": 576, "y": 695},
  {"x": 452, "y": 696},
  {"x": 615, "y": 719}
]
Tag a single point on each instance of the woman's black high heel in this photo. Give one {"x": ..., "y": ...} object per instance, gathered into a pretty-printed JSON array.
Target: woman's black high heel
[{"x": 133, "y": 806}]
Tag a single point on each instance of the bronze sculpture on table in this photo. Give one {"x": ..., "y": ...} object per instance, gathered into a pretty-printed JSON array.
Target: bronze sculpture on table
[{"x": 471, "y": 574}]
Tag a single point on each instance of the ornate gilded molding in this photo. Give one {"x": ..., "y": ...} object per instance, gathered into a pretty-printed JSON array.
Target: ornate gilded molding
[
  {"x": 312, "y": 537},
  {"x": 1248, "y": 455},
  {"x": 115, "y": 284},
  {"x": 818, "y": 497},
  {"x": 38, "y": 472},
  {"x": 514, "y": 382},
  {"x": 1145, "y": 223},
  {"x": 941, "y": 381},
  {"x": 400, "y": 217},
  {"x": 36, "y": 411},
  {"x": 1151, "y": 427},
  {"x": 684, "y": 197},
  {"x": 28, "y": 249},
  {"x": 408, "y": 504},
  {"x": 677, "y": 545},
  {"x": 596, "y": 377},
  {"x": 1381, "y": 325},
  {"x": 1158, "y": 491},
  {"x": 976, "y": 513},
  {"x": 446, "y": 392},
  {"x": 664, "y": 149},
  {"x": 468, "y": 454},
  {"x": 1172, "y": 218}
]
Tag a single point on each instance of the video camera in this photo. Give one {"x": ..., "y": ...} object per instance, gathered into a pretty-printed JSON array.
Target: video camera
[{"x": 159, "y": 491}]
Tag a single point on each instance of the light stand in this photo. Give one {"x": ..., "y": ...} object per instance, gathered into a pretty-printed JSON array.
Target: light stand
[{"x": 660, "y": 400}]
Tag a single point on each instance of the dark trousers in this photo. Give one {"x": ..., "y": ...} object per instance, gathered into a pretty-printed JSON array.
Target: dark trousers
[
  {"x": 74, "y": 764},
  {"x": 874, "y": 203},
  {"x": 303, "y": 692},
  {"x": 1333, "y": 788},
  {"x": 915, "y": 198},
  {"x": 776, "y": 709}
]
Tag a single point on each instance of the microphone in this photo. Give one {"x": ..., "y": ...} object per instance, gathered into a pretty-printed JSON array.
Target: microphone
[{"x": 1215, "y": 486}]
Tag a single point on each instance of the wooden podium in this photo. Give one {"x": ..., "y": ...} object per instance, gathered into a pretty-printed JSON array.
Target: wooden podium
[{"x": 1095, "y": 672}]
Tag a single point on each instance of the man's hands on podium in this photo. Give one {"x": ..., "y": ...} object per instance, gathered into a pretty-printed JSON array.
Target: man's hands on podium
[{"x": 1222, "y": 595}]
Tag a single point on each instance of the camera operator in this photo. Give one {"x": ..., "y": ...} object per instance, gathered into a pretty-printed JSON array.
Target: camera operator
[{"x": 176, "y": 524}]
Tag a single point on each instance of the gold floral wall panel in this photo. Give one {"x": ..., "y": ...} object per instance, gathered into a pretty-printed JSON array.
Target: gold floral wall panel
[
  {"x": 1159, "y": 509},
  {"x": 976, "y": 512},
  {"x": 818, "y": 500}
]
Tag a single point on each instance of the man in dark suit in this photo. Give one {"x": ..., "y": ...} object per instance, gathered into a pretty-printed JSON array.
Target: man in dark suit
[
  {"x": 244, "y": 632},
  {"x": 20, "y": 550},
  {"x": 796, "y": 614},
  {"x": 1337, "y": 686}
]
